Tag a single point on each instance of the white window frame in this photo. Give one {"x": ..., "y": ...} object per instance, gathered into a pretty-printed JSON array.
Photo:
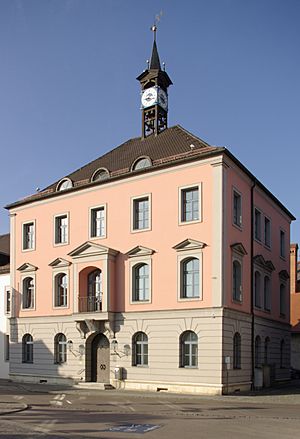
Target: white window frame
[
  {"x": 7, "y": 289},
  {"x": 181, "y": 189},
  {"x": 240, "y": 225},
  {"x": 132, "y": 213},
  {"x": 25, "y": 223},
  {"x": 180, "y": 258},
  {"x": 24, "y": 276},
  {"x": 133, "y": 263},
  {"x": 100, "y": 206},
  {"x": 57, "y": 271},
  {"x": 60, "y": 215}
]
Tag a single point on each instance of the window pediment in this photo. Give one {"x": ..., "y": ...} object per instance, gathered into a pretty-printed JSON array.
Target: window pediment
[
  {"x": 189, "y": 244},
  {"x": 27, "y": 267},
  {"x": 239, "y": 248},
  {"x": 260, "y": 261},
  {"x": 59, "y": 262},
  {"x": 140, "y": 251},
  {"x": 92, "y": 249}
]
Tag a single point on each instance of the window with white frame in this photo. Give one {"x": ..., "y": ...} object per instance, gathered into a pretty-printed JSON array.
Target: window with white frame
[
  {"x": 257, "y": 224},
  {"x": 237, "y": 281},
  {"x": 190, "y": 204},
  {"x": 141, "y": 213},
  {"x": 282, "y": 243},
  {"x": 140, "y": 349},
  {"x": 140, "y": 282},
  {"x": 267, "y": 293},
  {"x": 29, "y": 236},
  {"x": 7, "y": 300},
  {"x": 60, "y": 349},
  {"x": 237, "y": 209},
  {"x": 27, "y": 348},
  {"x": 267, "y": 234},
  {"x": 257, "y": 289},
  {"x": 282, "y": 299},
  {"x": 190, "y": 278},
  {"x": 237, "y": 351},
  {"x": 188, "y": 349},
  {"x": 61, "y": 229},
  {"x": 97, "y": 219},
  {"x": 61, "y": 290},
  {"x": 28, "y": 293}
]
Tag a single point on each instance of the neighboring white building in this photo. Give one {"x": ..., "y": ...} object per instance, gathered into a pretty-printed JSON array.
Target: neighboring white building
[{"x": 4, "y": 305}]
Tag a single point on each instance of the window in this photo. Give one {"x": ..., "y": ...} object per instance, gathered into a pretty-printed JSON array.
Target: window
[
  {"x": 28, "y": 236},
  {"x": 190, "y": 204},
  {"x": 142, "y": 163},
  {"x": 60, "y": 349},
  {"x": 267, "y": 348},
  {"x": 257, "y": 351},
  {"x": 237, "y": 209},
  {"x": 237, "y": 351},
  {"x": 27, "y": 348},
  {"x": 257, "y": 225},
  {"x": 236, "y": 281},
  {"x": 95, "y": 291},
  {"x": 7, "y": 300},
  {"x": 6, "y": 348},
  {"x": 98, "y": 222},
  {"x": 267, "y": 232},
  {"x": 267, "y": 293},
  {"x": 257, "y": 287},
  {"x": 64, "y": 184},
  {"x": 141, "y": 213},
  {"x": 100, "y": 174},
  {"x": 140, "y": 284},
  {"x": 190, "y": 278},
  {"x": 188, "y": 349},
  {"x": 282, "y": 300},
  {"x": 140, "y": 349},
  {"x": 282, "y": 244},
  {"x": 28, "y": 293},
  {"x": 282, "y": 351},
  {"x": 61, "y": 289},
  {"x": 61, "y": 229}
]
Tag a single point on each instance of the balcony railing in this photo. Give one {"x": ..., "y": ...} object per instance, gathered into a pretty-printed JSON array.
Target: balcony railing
[{"x": 90, "y": 304}]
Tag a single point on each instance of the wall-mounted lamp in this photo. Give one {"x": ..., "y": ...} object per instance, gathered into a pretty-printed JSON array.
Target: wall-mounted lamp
[
  {"x": 70, "y": 345},
  {"x": 81, "y": 349},
  {"x": 114, "y": 345}
]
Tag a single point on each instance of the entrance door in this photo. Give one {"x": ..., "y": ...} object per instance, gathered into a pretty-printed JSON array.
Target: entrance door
[{"x": 100, "y": 359}]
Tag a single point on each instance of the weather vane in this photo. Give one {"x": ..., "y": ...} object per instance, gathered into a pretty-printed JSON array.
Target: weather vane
[{"x": 156, "y": 21}]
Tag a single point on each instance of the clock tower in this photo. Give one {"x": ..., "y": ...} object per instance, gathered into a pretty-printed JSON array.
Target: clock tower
[{"x": 154, "y": 95}]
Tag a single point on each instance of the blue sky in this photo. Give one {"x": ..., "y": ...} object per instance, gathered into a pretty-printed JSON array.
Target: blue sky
[{"x": 68, "y": 91}]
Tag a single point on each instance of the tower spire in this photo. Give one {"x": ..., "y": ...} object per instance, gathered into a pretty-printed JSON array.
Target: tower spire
[{"x": 154, "y": 60}]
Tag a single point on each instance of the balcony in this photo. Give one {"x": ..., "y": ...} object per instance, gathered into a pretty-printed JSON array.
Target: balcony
[{"x": 90, "y": 304}]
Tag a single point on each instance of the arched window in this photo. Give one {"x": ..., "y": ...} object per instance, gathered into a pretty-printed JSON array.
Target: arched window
[
  {"x": 190, "y": 278},
  {"x": 60, "y": 349},
  {"x": 100, "y": 174},
  {"x": 61, "y": 290},
  {"x": 267, "y": 293},
  {"x": 28, "y": 293},
  {"x": 266, "y": 350},
  {"x": 282, "y": 351},
  {"x": 257, "y": 351},
  {"x": 95, "y": 291},
  {"x": 189, "y": 349},
  {"x": 236, "y": 351},
  {"x": 27, "y": 348},
  {"x": 141, "y": 163},
  {"x": 64, "y": 184},
  {"x": 140, "y": 349},
  {"x": 257, "y": 296},
  {"x": 140, "y": 284},
  {"x": 237, "y": 281},
  {"x": 282, "y": 299}
]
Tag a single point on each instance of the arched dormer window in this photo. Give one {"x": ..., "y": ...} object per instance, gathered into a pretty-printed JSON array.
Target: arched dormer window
[
  {"x": 141, "y": 163},
  {"x": 64, "y": 184},
  {"x": 100, "y": 174}
]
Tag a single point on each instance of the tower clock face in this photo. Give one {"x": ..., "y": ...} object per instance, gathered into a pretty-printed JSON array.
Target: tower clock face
[
  {"x": 163, "y": 99},
  {"x": 149, "y": 97}
]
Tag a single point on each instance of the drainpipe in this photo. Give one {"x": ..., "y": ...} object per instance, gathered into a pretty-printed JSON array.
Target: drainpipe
[{"x": 252, "y": 286}]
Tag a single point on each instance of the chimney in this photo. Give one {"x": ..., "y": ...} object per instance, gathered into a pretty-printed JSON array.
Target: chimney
[{"x": 293, "y": 267}]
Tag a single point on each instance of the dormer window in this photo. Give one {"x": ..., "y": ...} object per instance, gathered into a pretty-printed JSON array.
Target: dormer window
[
  {"x": 141, "y": 163},
  {"x": 100, "y": 174},
  {"x": 64, "y": 184}
]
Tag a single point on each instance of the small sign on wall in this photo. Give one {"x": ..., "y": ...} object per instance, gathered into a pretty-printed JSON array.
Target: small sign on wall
[{"x": 227, "y": 362}]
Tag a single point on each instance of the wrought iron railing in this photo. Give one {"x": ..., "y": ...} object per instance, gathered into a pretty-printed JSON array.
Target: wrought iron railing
[{"x": 90, "y": 304}]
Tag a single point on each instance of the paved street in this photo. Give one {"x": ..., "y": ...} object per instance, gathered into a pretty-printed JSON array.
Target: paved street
[{"x": 39, "y": 411}]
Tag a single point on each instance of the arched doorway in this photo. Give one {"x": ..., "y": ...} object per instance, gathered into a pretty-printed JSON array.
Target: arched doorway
[{"x": 98, "y": 359}]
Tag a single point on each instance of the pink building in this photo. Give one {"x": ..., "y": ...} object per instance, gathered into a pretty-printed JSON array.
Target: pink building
[{"x": 164, "y": 264}]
